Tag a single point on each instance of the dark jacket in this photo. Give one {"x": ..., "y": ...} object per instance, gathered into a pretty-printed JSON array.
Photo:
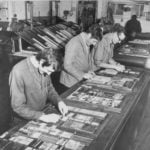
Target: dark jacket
[{"x": 132, "y": 26}]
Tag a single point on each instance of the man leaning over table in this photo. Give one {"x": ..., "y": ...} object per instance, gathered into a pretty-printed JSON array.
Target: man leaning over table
[
  {"x": 78, "y": 59},
  {"x": 31, "y": 86},
  {"x": 104, "y": 52}
]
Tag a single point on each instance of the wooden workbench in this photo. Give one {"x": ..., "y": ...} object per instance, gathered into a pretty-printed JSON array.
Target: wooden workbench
[
  {"x": 134, "y": 53},
  {"x": 120, "y": 129}
]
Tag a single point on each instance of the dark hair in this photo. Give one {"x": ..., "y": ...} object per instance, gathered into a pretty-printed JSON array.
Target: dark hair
[
  {"x": 95, "y": 31},
  {"x": 117, "y": 28},
  {"x": 15, "y": 15},
  {"x": 98, "y": 21},
  {"x": 49, "y": 56},
  {"x": 134, "y": 17}
]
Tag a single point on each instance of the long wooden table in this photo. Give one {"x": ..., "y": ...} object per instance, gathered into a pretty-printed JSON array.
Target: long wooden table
[
  {"x": 119, "y": 129},
  {"x": 133, "y": 53},
  {"x": 144, "y": 35}
]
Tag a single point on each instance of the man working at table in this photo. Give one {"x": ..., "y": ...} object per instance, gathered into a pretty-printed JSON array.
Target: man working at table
[{"x": 31, "y": 86}]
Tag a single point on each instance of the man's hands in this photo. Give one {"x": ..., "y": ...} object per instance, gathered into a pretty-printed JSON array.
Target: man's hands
[
  {"x": 89, "y": 75},
  {"x": 116, "y": 65},
  {"x": 62, "y": 108},
  {"x": 55, "y": 117},
  {"x": 119, "y": 67}
]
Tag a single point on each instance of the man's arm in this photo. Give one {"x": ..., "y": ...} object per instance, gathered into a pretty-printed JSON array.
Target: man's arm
[
  {"x": 100, "y": 53},
  {"x": 53, "y": 96},
  {"x": 71, "y": 52},
  {"x": 56, "y": 100},
  {"x": 18, "y": 98},
  {"x": 139, "y": 27}
]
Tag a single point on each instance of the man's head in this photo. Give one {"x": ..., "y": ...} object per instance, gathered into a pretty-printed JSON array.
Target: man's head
[
  {"x": 109, "y": 4},
  {"x": 134, "y": 17},
  {"x": 48, "y": 62},
  {"x": 118, "y": 31},
  {"x": 94, "y": 34}
]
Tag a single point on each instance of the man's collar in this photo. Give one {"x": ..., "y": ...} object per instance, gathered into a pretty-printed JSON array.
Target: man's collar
[
  {"x": 34, "y": 62},
  {"x": 83, "y": 35}
]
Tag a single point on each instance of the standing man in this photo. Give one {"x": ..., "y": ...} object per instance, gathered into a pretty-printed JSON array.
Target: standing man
[
  {"x": 132, "y": 27},
  {"x": 31, "y": 87},
  {"x": 78, "y": 60}
]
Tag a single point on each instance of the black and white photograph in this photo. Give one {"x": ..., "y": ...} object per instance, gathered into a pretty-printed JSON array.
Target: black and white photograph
[{"x": 74, "y": 75}]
